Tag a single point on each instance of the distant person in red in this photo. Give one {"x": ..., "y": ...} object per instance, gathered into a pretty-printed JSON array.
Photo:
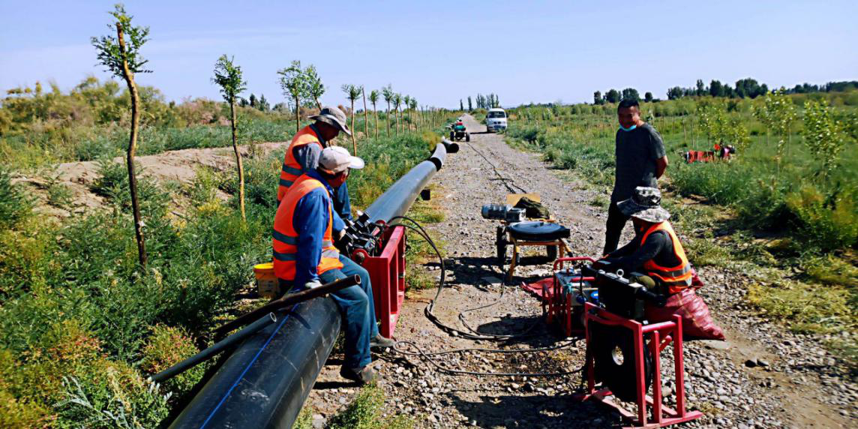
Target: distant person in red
[{"x": 640, "y": 161}]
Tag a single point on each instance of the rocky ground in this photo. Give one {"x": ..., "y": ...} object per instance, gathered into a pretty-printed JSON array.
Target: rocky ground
[{"x": 761, "y": 377}]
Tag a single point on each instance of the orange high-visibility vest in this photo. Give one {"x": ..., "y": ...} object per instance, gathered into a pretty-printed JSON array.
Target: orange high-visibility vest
[
  {"x": 675, "y": 278},
  {"x": 285, "y": 238},
  {"x": 291, "y": 168}
]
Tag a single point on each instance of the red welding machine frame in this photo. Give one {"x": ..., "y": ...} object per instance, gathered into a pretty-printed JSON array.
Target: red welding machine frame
[
  {"x": 557, "y": 306},
  {"x": 387, "y": 273},
  {"x": 661, "y": 334}
]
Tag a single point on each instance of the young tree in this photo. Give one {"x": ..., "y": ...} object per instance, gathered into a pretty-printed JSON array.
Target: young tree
[
  {"x": 780, "y": 111},
  {"x": 365, "y": 113},
  {"x": 470, "y": 104},
  {"x": 822, "y": 134},
  {"x": 123, "y": 59},
  {"x": 294, "y": 85},
  {"x": 352, "y": 93},
  {"x": 373, "y": 98},
  {"x": 648, "y": 97},
  {"x": 597, "y": 97},
  {"x": 315, "y": 88},
  {"x": 263, "y": 104},
  {"x": 228, "y": 77},
  {"x": 388, "y": 94},
  {"x": 406, "y": 104},
  {"x": 253, "y": 103},
  {"x": 461, "y": 105},
  {"x": 397, "y": 101},
  {"x": 413, "y": 104}
]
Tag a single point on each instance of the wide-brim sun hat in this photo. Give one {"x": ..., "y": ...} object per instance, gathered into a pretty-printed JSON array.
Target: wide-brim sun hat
[
  {"x": 644, "y": 205},
  {"x": 333, "y": 117},
  {"x": 335, "y": 160}
]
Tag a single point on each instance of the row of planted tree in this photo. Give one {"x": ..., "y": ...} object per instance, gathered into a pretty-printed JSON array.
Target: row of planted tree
[{"x": 302, "y": 86}]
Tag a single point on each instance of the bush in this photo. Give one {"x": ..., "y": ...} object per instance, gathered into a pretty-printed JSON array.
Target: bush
[
  {"x": 15, "y": 205},
  {"x": 166, "y": 347},
  {"x": 826, "y": 223}
]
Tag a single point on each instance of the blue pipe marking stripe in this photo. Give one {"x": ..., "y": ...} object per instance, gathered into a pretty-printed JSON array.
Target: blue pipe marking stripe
[{"x": 252, "y": 361}]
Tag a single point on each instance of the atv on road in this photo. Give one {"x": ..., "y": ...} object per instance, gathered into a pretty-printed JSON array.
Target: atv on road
[{"x": 458, "y": 132}]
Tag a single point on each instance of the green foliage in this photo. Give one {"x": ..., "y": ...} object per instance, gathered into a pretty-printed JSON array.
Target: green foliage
[
  {"x": 166, "y": 347},
  {"x": 365, "y": 412},
  {"x": 228, "y": 78},
  {"x": 822, "y": 134},
  {"x": 315, "y": 88},
  {"x": 827, "y": 223},
  {"x": 110, "y": 53},
  {"x": 293, "y": 82},
  {"x": 15, "y": 205}
]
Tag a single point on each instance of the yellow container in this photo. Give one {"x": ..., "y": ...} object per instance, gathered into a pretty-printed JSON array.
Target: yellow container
[{"x": 267, "y": 284}]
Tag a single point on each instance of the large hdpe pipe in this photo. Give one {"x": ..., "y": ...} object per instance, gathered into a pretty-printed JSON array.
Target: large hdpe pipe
[
  {"x": 401, "y": 195},
  {"x": 266, "y": 380}
]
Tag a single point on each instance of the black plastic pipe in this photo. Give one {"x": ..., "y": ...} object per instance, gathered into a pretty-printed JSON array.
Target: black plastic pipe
[
  {"x": 266, "y": 380},
  {"x": 401, "y": 195}
]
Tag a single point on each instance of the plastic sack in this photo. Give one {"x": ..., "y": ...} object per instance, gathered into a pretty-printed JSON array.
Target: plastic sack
[{"x": 696, "y": 320}]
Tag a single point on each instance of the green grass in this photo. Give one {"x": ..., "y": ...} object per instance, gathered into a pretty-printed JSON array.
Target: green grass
[{"x": 365, "y": 412}]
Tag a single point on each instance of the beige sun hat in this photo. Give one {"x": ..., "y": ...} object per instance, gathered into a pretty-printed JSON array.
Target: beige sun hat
[{"x": 334, "y": 117}]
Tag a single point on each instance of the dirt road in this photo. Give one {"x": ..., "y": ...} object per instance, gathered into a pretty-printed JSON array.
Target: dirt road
[{"x": 761, "y": 377}]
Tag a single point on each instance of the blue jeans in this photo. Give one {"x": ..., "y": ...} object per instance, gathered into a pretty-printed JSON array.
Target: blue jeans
[{"x": 358, "y": 310}]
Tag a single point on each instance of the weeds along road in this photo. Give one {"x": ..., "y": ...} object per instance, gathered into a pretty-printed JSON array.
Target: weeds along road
[{"x": 793, "y": 381}]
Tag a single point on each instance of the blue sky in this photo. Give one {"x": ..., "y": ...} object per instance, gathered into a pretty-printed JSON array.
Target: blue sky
[{"x": 440, "y": 51}]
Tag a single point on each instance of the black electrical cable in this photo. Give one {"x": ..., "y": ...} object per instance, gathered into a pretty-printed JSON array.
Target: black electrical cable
[
  {"x": 442, "y": 368},
  {"x": 467, "y": 335},
  {"x": 430, "y": 308},
  {"x": 501, "y": 177}
]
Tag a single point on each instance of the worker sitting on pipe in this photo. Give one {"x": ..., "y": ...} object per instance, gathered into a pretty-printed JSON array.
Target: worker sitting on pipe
[
  {"x": 305, "y": 256},
  {"x": 303, "y": 155},
  {"x": 655, "y": 251}
]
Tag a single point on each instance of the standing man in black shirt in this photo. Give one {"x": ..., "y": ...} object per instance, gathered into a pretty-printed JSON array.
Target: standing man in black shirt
[{"x": 640, "y": 161}]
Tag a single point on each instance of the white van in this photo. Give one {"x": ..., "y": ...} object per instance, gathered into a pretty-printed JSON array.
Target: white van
[{"x": 496, "y": 120}]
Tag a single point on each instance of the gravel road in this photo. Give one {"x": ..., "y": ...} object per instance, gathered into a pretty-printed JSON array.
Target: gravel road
[{"x": 761, "y": 377}]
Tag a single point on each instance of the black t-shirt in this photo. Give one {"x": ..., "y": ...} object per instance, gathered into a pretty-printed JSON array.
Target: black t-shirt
[{"x": 636, "y": 152}]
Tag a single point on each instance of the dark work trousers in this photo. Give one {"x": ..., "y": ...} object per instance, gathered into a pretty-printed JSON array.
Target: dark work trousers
[
  {"x": 358, "y": 309},
  {"x": 614, "y": 228}
]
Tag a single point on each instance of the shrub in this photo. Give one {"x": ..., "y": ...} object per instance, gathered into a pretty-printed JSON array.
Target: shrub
[
  {"x": 166, "y": 347},
  {"x": 826, "y": 223},
  {"x": 15, "y": 205}
]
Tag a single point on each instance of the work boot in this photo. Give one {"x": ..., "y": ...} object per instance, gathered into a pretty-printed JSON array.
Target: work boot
[
  {"x": 381, "y": 343},
  {"x": 360, "y": 375}
]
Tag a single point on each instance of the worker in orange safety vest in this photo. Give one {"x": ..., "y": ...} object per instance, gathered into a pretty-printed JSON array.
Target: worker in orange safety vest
[
  {"x": 656, "y": 251},
  {"x": 304, "y": 151},
  {"x": 305, "y": 256}
]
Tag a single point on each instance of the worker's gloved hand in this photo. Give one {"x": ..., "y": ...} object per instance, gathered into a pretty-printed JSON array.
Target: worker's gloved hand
[{"x": 312, "y": 284}]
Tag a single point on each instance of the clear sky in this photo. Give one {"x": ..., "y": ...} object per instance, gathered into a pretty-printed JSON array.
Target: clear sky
[{"x": 441, "y": 51}]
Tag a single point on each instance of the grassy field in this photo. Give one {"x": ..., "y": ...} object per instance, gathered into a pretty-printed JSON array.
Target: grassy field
[
  {"x": 81, "y": 324},
  {"x": 782, "y": 220}
]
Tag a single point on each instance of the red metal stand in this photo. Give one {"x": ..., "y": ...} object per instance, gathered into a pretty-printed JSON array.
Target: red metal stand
[
  {"x": 558, "y": 308},
  {"x": 661, "y": 334},
  {"x": 387, "y": 273}
]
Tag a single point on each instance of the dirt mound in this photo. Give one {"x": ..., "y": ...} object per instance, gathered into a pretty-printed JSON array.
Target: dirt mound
[{"x": 79, "y": 177}]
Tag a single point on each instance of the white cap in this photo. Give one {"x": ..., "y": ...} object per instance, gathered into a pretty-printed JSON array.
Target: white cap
[{"x": 335, "y": 160}]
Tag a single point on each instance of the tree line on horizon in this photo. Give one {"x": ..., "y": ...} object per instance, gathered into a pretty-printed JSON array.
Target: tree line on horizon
[{"x": 743, "y": 88}]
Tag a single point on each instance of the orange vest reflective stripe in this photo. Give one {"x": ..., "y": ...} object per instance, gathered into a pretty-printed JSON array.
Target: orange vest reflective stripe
[
  {"x": 675, "y": 278},
  {"x": 291, "y": 169},
  {"x": 285, "y": 238}
]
